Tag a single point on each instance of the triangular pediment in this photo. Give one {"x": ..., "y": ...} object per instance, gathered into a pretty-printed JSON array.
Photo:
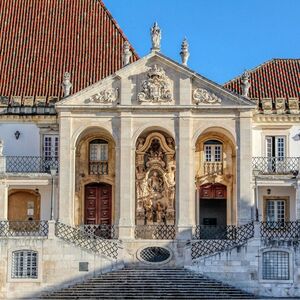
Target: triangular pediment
[{"x": 155, "y": 80}]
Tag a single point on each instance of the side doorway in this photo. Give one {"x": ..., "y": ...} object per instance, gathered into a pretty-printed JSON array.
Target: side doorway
[
  {"x": 213, "y": 207},
  {"x": 98, "y": 204}
]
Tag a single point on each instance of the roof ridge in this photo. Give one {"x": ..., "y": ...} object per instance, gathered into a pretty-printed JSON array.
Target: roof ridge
[
  {"x": 259, "y": 66},
  {"x": 117, "y": 26}
]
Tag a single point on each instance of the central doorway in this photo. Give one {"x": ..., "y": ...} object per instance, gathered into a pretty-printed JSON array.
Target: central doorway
[{"x": 98, "y": 204}]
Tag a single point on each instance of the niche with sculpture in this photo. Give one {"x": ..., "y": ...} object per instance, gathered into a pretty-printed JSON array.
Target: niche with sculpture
[{"x": 155, "y": 180}]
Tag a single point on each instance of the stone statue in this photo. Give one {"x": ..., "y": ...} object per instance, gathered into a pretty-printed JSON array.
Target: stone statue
[
  {"x": 149, "y": 210},
  {"x": 184, "y": 53},
  {"x": 140, "y": 143},
  {"x": 1, "y": 147},
  {"x": 155, "y": 182},
  {"x": 67, "y": 85},
  {"x": 155, "y": 37},
  {"x": 127, "y": 54},
  {"x": 159, "y": 212},
  {"x": 245, "y": 83}
]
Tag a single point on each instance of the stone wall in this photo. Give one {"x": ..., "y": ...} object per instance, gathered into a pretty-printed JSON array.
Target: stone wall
[
  {"x": 58, "y": 266},
  {"x": 242, "y": 268}
]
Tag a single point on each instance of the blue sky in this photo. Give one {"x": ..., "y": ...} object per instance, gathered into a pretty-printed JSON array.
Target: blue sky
[{"x": 225, "y": 36}]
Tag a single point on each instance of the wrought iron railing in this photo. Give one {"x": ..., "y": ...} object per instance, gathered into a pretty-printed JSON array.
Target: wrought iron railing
[
  {"x": 276, "y": 165},
  {"x": 155, "y": 232},
  {"x": 31, "y": 164},
  {"x": 23, "y": 228},
  {"x": 213, "y": 167},
  {"x": 102, "y": 230},
  {"x": 280, "y": 230},
  {"x": 212, "y": 239},
  {"x": 98, "y": 167},
  {"x": 90, "y": 242}
]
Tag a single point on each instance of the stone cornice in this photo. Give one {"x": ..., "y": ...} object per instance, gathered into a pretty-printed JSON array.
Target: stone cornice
[{"x": 261, "y": 118}]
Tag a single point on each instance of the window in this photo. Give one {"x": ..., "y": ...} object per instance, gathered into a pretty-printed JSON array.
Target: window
[
  {"x": 275, "y": 146},
  {"x": 24, "y": 264},
  {"x": 275, "y": 211},
  {"x": 275, "y": 265},
  {"x": 213, "y": 151},
  {"x": 98, "y": 157},
  {"x": 50, "y": 147}
]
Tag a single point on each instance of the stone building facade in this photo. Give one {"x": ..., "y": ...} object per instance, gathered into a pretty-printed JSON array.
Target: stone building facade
[{"x": 150, "y": 154}]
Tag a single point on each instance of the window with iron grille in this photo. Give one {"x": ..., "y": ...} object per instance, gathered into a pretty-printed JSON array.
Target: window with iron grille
[
  {"x": 24, "y": 264},
  {"x": 98, "y": 157},
  {"x": 275, "y": 265}
]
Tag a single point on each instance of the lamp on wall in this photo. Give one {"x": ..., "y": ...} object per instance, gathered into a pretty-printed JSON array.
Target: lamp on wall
[
  {"x": 17, "y": 134},
  {"x": 255, "y": 174}
]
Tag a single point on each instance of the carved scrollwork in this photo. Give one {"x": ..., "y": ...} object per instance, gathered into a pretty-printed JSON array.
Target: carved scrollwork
[
  {"x": 156, "y": 88},
  {"x": 105, "y": 96},
  {"x": 202, "y": 96}
]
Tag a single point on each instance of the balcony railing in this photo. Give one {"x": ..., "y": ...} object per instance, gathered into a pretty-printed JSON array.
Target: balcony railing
[
  {"x": 276, "y": 165},
  {"x": 98, "y": 168},
  {"x": 155, "y": 232},
  {"x": 101, "y": 230},
  {"x": 23, "y": 228},
  {"x": 213, "y": 167},
  {"x": 30, "y": 164},
  {"x": 280, "y": 230}
]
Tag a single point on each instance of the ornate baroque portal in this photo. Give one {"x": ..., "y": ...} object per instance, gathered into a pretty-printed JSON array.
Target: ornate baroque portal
[{"x": 155, "y": 180}]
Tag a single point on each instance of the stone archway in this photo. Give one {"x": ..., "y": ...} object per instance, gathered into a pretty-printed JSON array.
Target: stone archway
[{"x": 155, "y": 179}]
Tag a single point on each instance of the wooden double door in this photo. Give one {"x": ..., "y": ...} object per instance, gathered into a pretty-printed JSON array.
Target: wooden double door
[{"x": 98, "y": 204}]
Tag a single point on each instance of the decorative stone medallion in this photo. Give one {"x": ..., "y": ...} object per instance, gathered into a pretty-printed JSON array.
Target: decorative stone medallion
[
  {"x": 105, "y": 96},
  {"x": 202, "y": 96},
  {"x": 155, "y": 89}
]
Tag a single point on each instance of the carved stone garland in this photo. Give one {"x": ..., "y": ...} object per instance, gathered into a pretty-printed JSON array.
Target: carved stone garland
[
  {"x": 155, "y": 180},
  {"x": 202, "y": 96},
  {"x": 156, "y": 88},
  {"x": 105, "y": 96}
]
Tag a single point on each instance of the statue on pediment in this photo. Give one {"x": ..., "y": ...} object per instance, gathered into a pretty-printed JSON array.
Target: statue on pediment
[{"x": 155, "y": 33}]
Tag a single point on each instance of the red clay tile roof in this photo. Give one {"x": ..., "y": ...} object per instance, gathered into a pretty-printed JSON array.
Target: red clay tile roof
[
  {"x": 40, "y": 40},
  {"x": 277, "y": 78}
]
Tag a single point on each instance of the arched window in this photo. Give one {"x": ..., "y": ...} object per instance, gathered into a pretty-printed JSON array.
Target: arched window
[
  {"x": 213, "y": 151},
  {"x": 275, "y": 265},
  {"x": 24, "y": 264},
  {"x": 98, "y": 157}
]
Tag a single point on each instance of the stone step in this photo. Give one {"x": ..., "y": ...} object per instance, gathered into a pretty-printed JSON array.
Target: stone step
[{"x": 146, "y": 283}]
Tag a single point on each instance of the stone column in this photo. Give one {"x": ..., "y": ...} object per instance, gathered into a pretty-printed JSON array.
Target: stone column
[
  {"x": 3, "y": 201},
  {"x": 126, "y": 166},
  {"x": 297, "y": 199},
  {"x": 66, "y": 171},
  {"x": 244, "y": 168},
  {"x": 185, "y": 181}
]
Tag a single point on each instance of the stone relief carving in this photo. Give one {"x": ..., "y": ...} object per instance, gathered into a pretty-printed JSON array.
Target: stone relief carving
[
  {"x": 156, "y": 88},
  {"x": 202, "y": 96},
  {"x": 155, "y": 180},
  {"x": 106, "y": 96}
]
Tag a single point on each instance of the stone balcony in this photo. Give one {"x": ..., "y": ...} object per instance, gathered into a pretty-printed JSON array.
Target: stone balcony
[{"x": 276, "y": 165}]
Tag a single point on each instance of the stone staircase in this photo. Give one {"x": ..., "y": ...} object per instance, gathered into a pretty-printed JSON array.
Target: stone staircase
[{"x": 146, "y": 283}]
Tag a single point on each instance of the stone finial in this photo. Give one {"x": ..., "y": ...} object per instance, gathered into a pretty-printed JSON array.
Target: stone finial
[
  {"x": 184, "y": 53},
  {"x": 245, "y": 83},
  {"x": 155, "y": 37},
  {"x": 1, "y": 147},
  {"x": 67, "y": 85},
  {"x": 127, "y": 54}
]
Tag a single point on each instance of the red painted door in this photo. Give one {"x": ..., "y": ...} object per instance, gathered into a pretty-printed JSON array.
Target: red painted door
[{"x": 98, "y": 204}]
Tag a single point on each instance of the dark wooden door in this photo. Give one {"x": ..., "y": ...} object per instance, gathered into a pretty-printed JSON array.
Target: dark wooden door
[{"x": 98, "y": 204}]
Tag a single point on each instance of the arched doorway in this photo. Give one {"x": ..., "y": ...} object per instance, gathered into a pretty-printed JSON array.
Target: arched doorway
[
  {"x": 98, "y": 204},
  {"x": 213, "y": 204},
  {"x": 24, "y": 205}
]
